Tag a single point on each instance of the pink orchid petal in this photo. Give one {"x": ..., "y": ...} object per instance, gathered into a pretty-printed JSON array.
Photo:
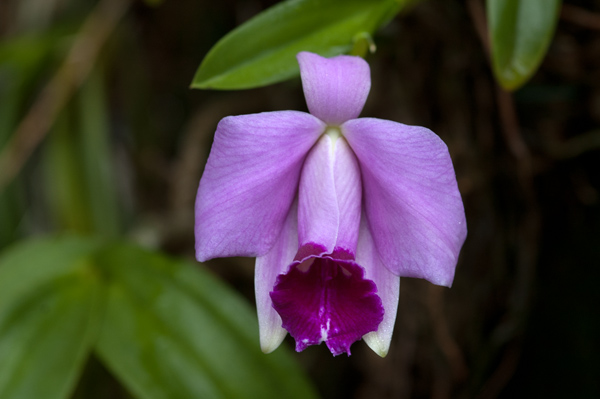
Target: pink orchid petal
[
  {"x": 327, "y": 300},
  {"x": 349, "y": 192},
  {"x": 250, "y": 181},
  {"x": 388, "y": 289},
  {"x": 318, "y": 213},
  {"x": 268, "y": 267},
  {"x": 413, "y": 207},
  {"x": 336, "y": 89},
  {"x": 329, "y": 199}
]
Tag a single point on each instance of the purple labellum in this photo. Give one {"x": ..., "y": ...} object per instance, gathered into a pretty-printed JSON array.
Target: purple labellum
[{"x": 324, "y": 299}]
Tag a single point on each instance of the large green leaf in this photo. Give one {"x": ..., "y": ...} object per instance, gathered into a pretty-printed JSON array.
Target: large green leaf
[
  {"x": 520, "y": 33},
  {"x": 168, "y": 329},
  {"x": 263, "y": 50},
  {"x": 49, "y": 297},
  {"x": 173, "y": 331}
]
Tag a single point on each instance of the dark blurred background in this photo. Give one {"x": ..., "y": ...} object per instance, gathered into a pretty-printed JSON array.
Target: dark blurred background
[{"x": 521, "y": 320}]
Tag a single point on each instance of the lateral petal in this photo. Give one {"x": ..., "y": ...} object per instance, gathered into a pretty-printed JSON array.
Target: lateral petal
[
  {"x": 335, "y": 89},
  {"x": 413, "y": 207},
  {"x": 250, "y": 180},
  {"x": 388, "y": 289},
  {"x": 268, "y": 267}
]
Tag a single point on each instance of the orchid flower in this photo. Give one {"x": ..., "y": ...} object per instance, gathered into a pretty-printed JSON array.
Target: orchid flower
[{"x": 334, "y": 208}]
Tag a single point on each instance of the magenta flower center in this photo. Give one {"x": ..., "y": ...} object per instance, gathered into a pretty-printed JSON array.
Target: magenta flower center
[{"x": 327, "y": 299}]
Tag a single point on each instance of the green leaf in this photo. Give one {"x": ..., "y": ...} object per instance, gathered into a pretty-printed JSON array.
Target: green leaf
[
  {"x": 263, "y": 50},
  {"x": 49, "y": 303},
  {"x": 520, "y": 33},
  {"x": 171, "y": 330}
]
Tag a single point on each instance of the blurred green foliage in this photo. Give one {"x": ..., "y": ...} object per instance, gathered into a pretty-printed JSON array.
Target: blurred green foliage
[{"x": 164, "y": 327}]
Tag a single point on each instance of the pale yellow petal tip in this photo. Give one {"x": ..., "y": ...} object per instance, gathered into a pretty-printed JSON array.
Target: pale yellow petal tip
[
  {"x": 271, "y": 342},
  {"x": 377, "y": 345}
]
